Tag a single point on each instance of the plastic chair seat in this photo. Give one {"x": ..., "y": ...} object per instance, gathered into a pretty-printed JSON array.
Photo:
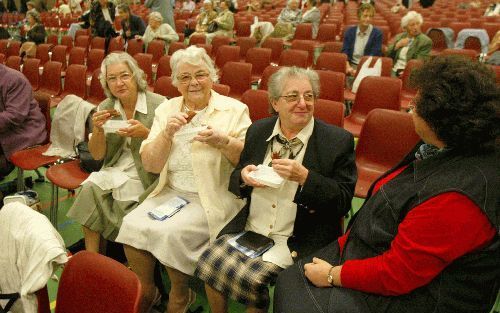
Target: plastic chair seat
[
  {"x": 68, "y": 175},
  {"x": 32, "y": 158}
]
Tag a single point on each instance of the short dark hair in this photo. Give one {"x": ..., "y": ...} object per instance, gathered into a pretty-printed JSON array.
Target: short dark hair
[
  {"x": 459, "y": 99},
  {"x": 123, "y": 8},
  {"x": 366, "y": 7}
]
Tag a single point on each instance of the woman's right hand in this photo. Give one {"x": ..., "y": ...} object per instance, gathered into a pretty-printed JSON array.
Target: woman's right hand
[
  {"x": 249, "y": 181},
  {"x": 101, "y": 117},
  {"x": 402, "y": 43},
  {"x": 174, "y": 123}
]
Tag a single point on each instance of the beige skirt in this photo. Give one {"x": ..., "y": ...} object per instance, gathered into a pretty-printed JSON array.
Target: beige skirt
[
  {"x": 178, "y": 241},
  {"x": 96, "y": 209}
]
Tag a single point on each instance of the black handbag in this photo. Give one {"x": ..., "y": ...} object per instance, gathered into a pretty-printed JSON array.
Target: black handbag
[
  {"x": 212, "y": 27},
  {"x": 87, "y": 162}
]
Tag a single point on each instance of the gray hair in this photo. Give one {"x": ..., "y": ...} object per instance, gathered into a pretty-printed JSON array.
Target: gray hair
[
  {"x": 34, "y": 15},
  {"x": 156, "y": 16},
  {"x": 290, "y": 1},
  {"x": 277, "y": 82},
  {"x": 122, "y": 57},
  {"x": 410, "y": 16},
  {"x": 194, "y": 56}
]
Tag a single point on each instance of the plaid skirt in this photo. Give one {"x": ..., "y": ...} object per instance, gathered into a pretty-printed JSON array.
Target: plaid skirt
[{"x": 235, "y": 275}]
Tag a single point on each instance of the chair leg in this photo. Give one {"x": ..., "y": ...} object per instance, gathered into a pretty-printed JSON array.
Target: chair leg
[
  {"x": 40, "y": 178},
  {"x": 54, "y": 206},
  {"x": 20, "y": 179}
]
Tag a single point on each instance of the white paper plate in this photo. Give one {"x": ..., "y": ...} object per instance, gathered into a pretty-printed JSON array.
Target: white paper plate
[
  {"x": 112, "y": 126},
  {"x": 267, "y": 176},
  {"x": 187, "y": 134}
]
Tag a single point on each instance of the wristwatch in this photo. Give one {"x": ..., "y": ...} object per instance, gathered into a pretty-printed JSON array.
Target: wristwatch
[{"x": 329, "y": 278}]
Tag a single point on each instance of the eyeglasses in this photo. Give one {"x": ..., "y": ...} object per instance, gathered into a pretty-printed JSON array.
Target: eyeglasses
[
  {"x": 186, "y": 78},
  {"x": 124, "y": 77},
  {"x": 295, "y": 97}
]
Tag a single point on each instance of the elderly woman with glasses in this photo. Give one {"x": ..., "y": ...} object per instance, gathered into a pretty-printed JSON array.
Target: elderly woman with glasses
[
  {"x": 108, "y": 195},
  {"x": 426, "y": 238},
  {"x": 410, "y": 44},
  {"x": 316, "y": 163},
  {"x": 194, "y": 144},
  {"x": 157, "y": 30}
]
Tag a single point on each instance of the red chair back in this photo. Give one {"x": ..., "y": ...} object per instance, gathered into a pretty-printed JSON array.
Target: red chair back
[
  {"x": 331, "y": 112},
  {"x": 238, "y": 76},
  {"x": 331, "y": 85},
  {"x": 257, "y": 102}
]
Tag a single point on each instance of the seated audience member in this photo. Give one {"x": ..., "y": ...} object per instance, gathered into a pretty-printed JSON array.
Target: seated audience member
[
  {"x": 188, "y": 5},
  {"x": 35, "y": 35},
  {"x": 165, "y": 8},
  {"x": 313, "y": 16},
  {"x": 63, "y": 9},
  {"x": 132, "y": 25},
  {"x": 361, "y": 40},
  {"x": 291, "y": 14},
  {"x": 493, "y": 8},
  {"x": 426, "y": 238},
  {"x": 194, "y": 167},
  {"x": 83, "y": 21},
  {"x": 410, "y": 44},
  {"x": 261, "y": 30},
  {"x": 205, "y": 18},
  {"x": 22, "y": 124},
  {"x": 315, "y": 160},
  {"x": 493, "y": 55},
  {"x": 224, "y": 21},
  {"x": 157, "y": 30},
  {"x": 254, "y": 6},
  {"x": 31, "y": 7},
  {"x": 108, "y": 195},
  {"x": 102, "y": 16},
  {"x": 76, "y": 6}
]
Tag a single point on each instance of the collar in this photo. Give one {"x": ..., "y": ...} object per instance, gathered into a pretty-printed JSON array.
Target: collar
[
  {"x": 368, "y": 30},
  {"x": 303, "y": 135},
  {"x": 140, "y": 106}
]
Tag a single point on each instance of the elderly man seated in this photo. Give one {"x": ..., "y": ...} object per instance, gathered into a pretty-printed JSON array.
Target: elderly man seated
[{"x": 315, "y": 163}]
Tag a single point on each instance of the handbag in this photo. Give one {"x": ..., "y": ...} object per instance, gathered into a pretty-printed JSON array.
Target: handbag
[
  {"x": 87, "y": 162},
  {"x": 212, "y": 27},
  {"x": 366, "y": 70}
]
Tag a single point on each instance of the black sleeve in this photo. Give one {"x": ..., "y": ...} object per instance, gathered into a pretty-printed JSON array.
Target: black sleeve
[{"x": 37, "y": 34}]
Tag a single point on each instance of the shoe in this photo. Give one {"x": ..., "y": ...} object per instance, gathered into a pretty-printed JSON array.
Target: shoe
[{"x": 191, "y": 301}]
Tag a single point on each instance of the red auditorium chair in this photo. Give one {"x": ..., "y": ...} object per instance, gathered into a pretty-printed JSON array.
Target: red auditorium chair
[
  {"x": 243, "y": 29},
  {"x": 238, "y": 76},
  {"x": 91, "y": 282},
  {"x": 207, "y": 47},
  {"x": 331, "y": 112},
  {"x": 219, "y": 41},
  {"x": 14, "y": 62},
  {"x": 408, "y": 93},
  {"x": 30, "y": 159},
  {"x": 197, "y": 39},
  {"x": 82, "y": 41},
  {"x": 174, "y": 46},
  {"x": 257, "y": 102},
  {"x": 59, "y": 55},
  {"x": 116, "y": 45},
  {"x": 260, "y": 58},
  {"x": 164, "y": 87},
  {"x": 276, "y": 45},
  {"x": 227, "y": 54},
  {"x": 468, "y": 53},
  {"x": 67, "y": 41},
  {"x": 145, "y": 62},
  {"x": 245, "y": 44},
  {"x": 305, "y": 45},
  {"x": 326, "y": 32},
  {"x": 331, "y": 61},
  {"x": 51, "y": 78},
  {"x": 77, "y": 56},
  {"x": 163, "y": 68},
  {"x": 98, "y": 43},
  {"x": 94, "y": 60},
  {"x": 32, "y": 73},
  {"x": 374, "y": 92},
  {"x": 96, "y": 93},
  {"x": 331, "y": 85},
  {"x": 135, "y": 46},
  {"x": 268, "y": 71},
  {"x": 75, "y": 81},
  {"x": 157, "y": 49},
  {"x": 13, "y": 48},
  {"x": 386, "y": 137},
  {"x": 291, "y": 57},
  {"x": 387, "y": 65},
  {"x": 221, "y": 89},
  {"x": 42, "y": 52},
  {"x": 303, "y": 31},
  {"x": 332, "y": 47},
  {"x": 438, "y": 40}
]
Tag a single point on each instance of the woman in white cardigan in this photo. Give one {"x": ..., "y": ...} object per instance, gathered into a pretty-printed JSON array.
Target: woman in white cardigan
[{"x": 157, "y": 30}]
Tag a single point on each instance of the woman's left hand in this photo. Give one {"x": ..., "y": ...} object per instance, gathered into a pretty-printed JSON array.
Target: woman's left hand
[
  {"x": 135, "y": 130},
  {"x": 291, "y": 170},
  {"x": 317, "y": 272},
  {"x": 212, "y": 137}
]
